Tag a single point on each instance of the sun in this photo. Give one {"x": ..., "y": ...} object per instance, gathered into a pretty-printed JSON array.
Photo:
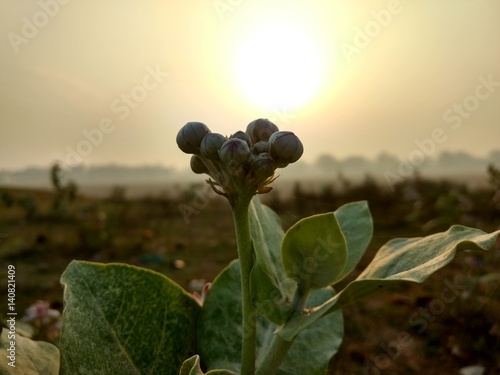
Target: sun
[{"x": 278, "y": 65}]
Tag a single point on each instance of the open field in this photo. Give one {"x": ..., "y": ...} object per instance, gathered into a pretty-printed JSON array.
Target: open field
[{"x": 406, "y": 330}]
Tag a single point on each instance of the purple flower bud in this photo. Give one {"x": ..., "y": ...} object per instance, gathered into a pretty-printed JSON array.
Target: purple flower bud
[
  {"x": 211, "y": 144},
  {"x": 262, "y": 167},
  {"x": 243, "y": 136},
  {"x": 260, "y": 147},
  {"x": 261, "y": 130},
  {"x": 235, "y": 152},
  {"x": 197, "y": 165},
  {"x": 190, "y": 136},
  {"x": 285, "y": 147}
]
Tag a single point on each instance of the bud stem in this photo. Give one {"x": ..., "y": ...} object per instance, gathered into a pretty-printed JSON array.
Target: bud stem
[
  {"x": 249, "y": 340},
  {"x": 279, "y": 347}
]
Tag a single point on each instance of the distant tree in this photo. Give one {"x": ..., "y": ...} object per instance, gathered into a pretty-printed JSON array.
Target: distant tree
[
  {"x": 494, "y": 174},
  {"x": 327, "y": 163},
  {"x": 356, "y": 164},
  {"x": 494, "y": 157},
  {"x": 386, "y": 162},
  {"x": 56, "y": 176},
  {"x": 460, "y": 161},
  {"x": 63, "y": 194}
]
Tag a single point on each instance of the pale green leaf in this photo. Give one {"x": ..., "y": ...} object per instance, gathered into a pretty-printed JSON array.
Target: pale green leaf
[
  {"x": 270, "y": 287},
  {"x": 314, "y": 251},
  {"x": 30, "y": 357},
  {"x": 400, "y": 260},
  {"x": 121, "y": 319},
  {"x": 191, "y": 366},
  {"x": 357, "y": 226}
]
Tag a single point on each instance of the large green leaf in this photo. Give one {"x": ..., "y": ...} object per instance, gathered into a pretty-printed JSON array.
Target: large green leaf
[
  {"x": 30, "y": 357},
  {"x": 270, "y": 287},
  {"x": 121, "y": 319},
  {"x": 400, "y": 260},
  {"x": 314, "y": 251},
  {"x": 220, "y": 332}
]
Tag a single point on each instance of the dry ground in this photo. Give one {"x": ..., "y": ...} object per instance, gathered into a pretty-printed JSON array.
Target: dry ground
[{"x": 411, "y": 329}]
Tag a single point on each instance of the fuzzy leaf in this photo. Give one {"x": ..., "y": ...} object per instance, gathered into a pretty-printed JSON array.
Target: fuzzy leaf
[
  {"x": 121, "y": 319},
  {"x": 31, "y": 357},
  {"x": 191, "y": 366},
  {"x": 314, "y": 251},
  {"x": 400, "y": 260},
  {"x": 357, "y": 226},
  {"x": 220, "y": 331},
  {"x": 270, "y": 287}
]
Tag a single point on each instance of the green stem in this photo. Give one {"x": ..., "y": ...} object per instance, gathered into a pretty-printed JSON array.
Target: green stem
[
  {"x": 244, "y": 242},
  {"x": 300, "y": 299},
  {"x": 274, "y": 356},
  {"x": 280, "y": 347}
]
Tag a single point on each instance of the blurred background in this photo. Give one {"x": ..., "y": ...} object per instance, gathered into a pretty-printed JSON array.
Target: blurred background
[{"x": 349, "y": 79}]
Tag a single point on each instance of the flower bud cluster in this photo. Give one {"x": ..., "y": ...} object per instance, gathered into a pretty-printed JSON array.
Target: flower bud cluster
[{"x": 246, "y": 161}]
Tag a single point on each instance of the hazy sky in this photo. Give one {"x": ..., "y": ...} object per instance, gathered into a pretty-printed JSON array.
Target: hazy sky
[{"x": 348, "y": 77}]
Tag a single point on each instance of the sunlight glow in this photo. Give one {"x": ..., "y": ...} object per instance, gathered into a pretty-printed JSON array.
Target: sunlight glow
[{"x": 278, "y": 65}]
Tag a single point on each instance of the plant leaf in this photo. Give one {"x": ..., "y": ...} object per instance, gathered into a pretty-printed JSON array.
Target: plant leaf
[
  {"x": 31, "y": 357},
  {"x": 314, "y": 251},
  {"x": 191, "y": 366},
  {"x": 220, "y": 331},
  {"x": 399, "y": 260},
  {"x": 357, "y": 226},
  {"x": 124, "y": 319},
  {"x": 270, "y": 287}
]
